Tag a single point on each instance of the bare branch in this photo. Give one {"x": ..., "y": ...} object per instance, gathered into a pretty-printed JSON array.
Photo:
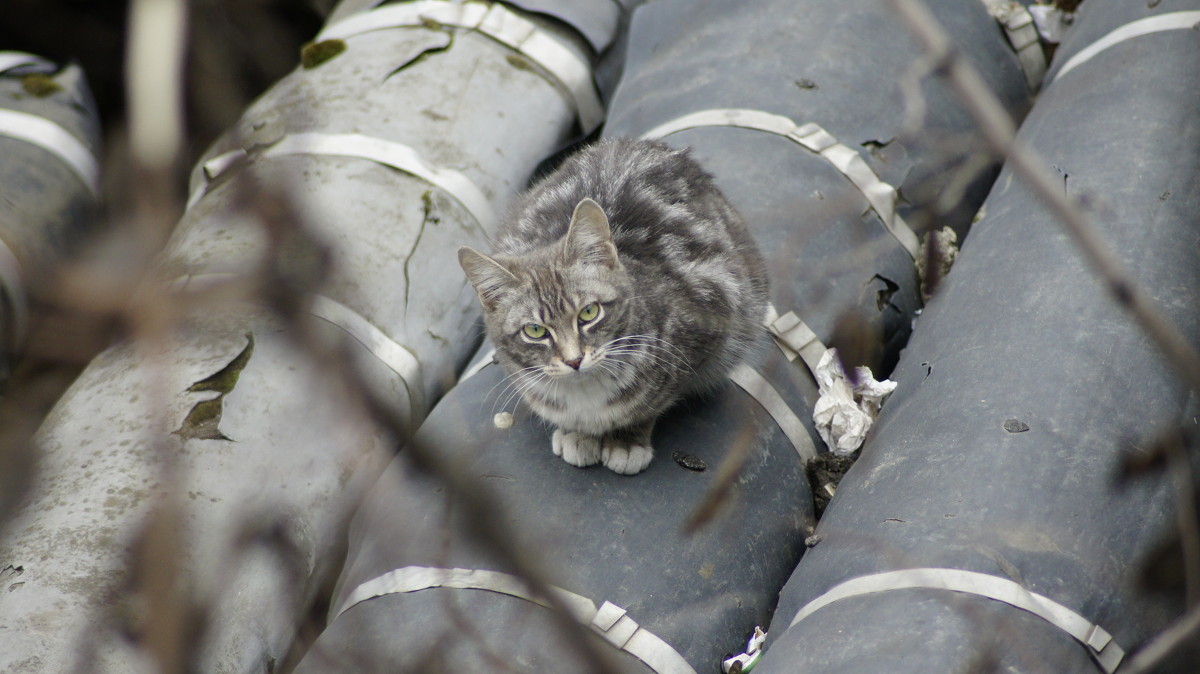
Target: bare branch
[{"x": 1149, "y": 657}]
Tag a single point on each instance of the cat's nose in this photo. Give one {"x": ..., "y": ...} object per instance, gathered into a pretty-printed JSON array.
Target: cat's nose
[{"x": 574, "y": 362}]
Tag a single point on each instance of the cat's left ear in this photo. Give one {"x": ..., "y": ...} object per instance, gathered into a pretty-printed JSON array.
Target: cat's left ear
[{"x": 589, "y": 238}]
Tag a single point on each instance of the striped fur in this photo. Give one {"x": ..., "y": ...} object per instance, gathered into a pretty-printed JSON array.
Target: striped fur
[{"x": 679, "y": 287}]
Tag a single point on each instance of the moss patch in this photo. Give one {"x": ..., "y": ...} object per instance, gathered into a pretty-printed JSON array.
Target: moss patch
[
  {"x": 39, "y": 85},
  {"x": 825, "y": 472},
  {"x": 314, "y": 54},
  {"x": 203, "y": 420}
]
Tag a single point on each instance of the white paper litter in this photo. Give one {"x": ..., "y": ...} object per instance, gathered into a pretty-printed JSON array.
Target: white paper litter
[{"x": 845, "y": 411}]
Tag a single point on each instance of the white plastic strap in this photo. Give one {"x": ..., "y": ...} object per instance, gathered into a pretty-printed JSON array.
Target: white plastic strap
[
  {"x": 474, "y": 369},
  {"x": 1153, "y": 24},
  {"x": 761, "y": 390},
  {"x": 10, "y": 276},
  {"x": 881, "y": 196},
  {"x": 501, "y": 24},
  {"x": 386, "y": 152},
  {"x": 1099, "y": 642},
  {"x": 795, "y": 338},
  {"x": 609, "y": 620},
  {"x": 1022, "y": 34},
  {"x": 17, "y": 59},
  {"x": 54, "y": 139},
  {"x": 388, "y": 351}
]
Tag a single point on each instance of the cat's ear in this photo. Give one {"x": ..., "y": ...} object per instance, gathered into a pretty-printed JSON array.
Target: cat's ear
[
  {"x": 489, "y": 277},
  {"x": 588, "y": 238}
]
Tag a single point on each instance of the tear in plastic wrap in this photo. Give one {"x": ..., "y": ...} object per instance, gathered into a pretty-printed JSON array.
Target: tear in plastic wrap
[{"x": 846, "y": 409}]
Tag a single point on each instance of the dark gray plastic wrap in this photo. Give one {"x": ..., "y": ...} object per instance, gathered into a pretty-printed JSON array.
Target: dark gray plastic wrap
[{"x": 1022, "y": 389}]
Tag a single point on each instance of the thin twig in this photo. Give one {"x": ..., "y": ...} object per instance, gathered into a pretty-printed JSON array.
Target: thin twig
[
  {"x": 1186, "y": 519},
  {"x": 1001, "y": 135},
  {"x": 1150, "y": 656}
]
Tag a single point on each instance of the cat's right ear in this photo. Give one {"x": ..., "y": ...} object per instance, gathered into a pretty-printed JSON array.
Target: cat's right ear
[
  {"x": 489, "y": 277},
  {"x": 589, "y": 238}
]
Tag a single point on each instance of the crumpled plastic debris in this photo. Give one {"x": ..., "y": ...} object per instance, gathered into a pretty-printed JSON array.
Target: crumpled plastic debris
[
  {"x": 846, "y": 410},
  {"x": 744, "y": 662},
  {"x": 1052, "y": 23}
]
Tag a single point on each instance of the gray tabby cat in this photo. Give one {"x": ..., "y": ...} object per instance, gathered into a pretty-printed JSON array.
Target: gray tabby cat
[{"x": 620, "y": 283}]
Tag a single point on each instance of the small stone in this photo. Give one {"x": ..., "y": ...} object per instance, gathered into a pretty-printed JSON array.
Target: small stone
[
  {"x": 689, "y": 461},
  {"x": 503, "y": 420},
  {"x": 1015, "y": 426}
]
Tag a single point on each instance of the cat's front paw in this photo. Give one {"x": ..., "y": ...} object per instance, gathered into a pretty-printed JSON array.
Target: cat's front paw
[
  {"x": 626, "y": 458},
  {"x": 576, "y": 449}
]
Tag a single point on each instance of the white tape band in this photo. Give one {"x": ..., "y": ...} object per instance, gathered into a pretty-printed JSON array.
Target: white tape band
[
  {"x": 1099, "y": 643},
  {"x": 10, "y": 276},
  {"x": 392, "y": 354},
  {"x": 761, "y": 390},
  {"x": 54, "y": 139},
  {"x": 503, "y": 25},
  {"x": 1022, "y": 34},
  {"x": 609, "y": 620},
  {"x": 1153, "y": 24},
  {"x": 484, "y": 360},
  {"x": 794, "y": 338},
  {"x": 17, "y": 59},
  {"x": 389, "y": 352},
  {"x": 881, "y": 196},
  {"x": 388, "y": 153}
]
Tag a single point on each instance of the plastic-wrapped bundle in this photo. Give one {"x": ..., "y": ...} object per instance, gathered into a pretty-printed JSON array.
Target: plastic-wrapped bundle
[
  {"x": 395, "y": 143},
  {"x": 810, "y": 144},
  {"x": 420, "y": 590},
  {"x": 981, "y": 528},
  {"x": 49, "y": 136}
]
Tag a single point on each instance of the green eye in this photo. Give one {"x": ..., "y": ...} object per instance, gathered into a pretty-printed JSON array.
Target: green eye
[
  {"x": 534, "y": 331},
  {"x": 589, "y": 313}
]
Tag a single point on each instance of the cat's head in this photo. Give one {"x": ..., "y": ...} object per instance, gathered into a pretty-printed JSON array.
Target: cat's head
[{"x": 556, "y": 309}]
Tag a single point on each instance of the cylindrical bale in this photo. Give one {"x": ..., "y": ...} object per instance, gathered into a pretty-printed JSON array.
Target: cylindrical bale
[
  {"x": 599, "y": 535},
  {"x": 49, "y": 137},
  {"x": 985, "y": 526},
  {"x": 409, "y": 93},
  {"x": 391, "y": 147},
  {"x": 805, "y": 63},
  {"x": 420, "y": 589}
]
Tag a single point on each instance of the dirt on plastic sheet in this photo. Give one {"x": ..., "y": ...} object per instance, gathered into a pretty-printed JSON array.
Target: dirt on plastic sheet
[{"x": 824, "y": 474}]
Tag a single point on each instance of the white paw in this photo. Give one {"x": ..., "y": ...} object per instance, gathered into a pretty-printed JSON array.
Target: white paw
[
  {"x": 576, "y": 449},
  {"x": 625, "y": 458}
]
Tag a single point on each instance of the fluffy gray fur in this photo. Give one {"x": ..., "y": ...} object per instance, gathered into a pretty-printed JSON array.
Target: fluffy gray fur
[{"x": 619, "y": 284}]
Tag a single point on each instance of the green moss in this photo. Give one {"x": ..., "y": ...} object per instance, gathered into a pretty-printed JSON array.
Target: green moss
[
  {"x": 203, "y": 420},
  {"x": 314, "y": 54},
  {"x": 39, "y": 85},
  {"x": 518, "y": 62},
  {"x": 226, "y": 378}
]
